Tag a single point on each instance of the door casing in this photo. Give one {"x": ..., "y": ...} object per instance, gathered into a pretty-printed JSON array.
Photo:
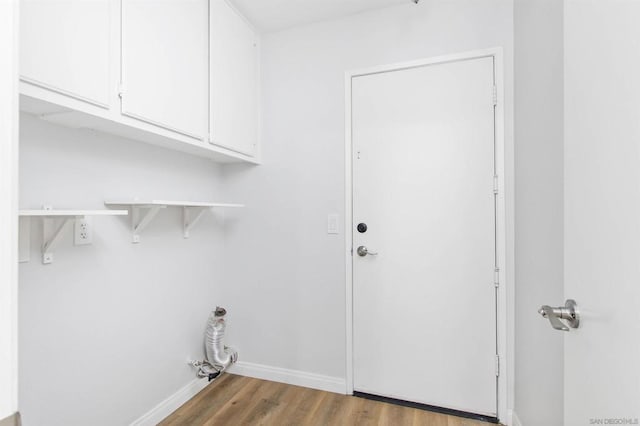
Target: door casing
[{"x": 505, "y": 216}]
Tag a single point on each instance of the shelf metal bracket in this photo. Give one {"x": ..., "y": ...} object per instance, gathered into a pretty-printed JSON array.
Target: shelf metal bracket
[
  {"x": 143, "y": 212},
  {"x": 51, "y": 236},
  {"x": 191, "y": 216},
  {"x": 140, "y": 219}
]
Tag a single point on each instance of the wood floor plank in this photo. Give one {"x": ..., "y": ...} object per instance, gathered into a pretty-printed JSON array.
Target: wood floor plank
[
  {"x": 328, "y": 412},
  {"x": 231, "y": 412},
  {"x": 192, "y": 408},
  {"x": 457, "y": 421},
  {"x": 235, "y": 400},
  {"x": 432, "y": 419},
  {"x": 270, "y": 401},
  {"x": 370, "y": 412},
  {"x": 301, "y": 408},
  {"x": 207, "y": 402},
  {"x": 394, "y": 415}
]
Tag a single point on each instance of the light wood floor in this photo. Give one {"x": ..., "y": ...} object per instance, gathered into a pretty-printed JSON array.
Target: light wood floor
[{"x": 235, "y": 400}]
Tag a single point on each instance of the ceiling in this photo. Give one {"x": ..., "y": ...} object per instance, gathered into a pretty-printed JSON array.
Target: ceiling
[{"x": 274, "y": 15}]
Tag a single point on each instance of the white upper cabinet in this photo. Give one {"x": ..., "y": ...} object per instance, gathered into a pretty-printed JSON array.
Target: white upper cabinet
[
  {"x": 65, "y": 47},
  {"x": 234, "y": 101},
  {"x": 165, "y": 64},
  {"x": 180, "y": 74}
]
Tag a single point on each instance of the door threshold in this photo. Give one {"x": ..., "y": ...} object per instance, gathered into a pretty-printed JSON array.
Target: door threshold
[{"x": 426, "y": 407}]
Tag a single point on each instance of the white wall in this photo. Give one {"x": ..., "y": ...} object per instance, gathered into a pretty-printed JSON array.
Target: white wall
[
  {"x": 106, "y": 330},
  {"x": 8, "y": 207},
  {"x": 539, "y": 208},
  {"x": 287, "y": 292}
]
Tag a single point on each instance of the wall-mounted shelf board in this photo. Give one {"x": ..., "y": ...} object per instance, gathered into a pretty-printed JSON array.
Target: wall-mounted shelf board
[
  {"x": 167, "y": 203},
  {"x": 143, "y": 212},
  {"x": 54, "y": 222},
  {"x": 71, "y": 213}
]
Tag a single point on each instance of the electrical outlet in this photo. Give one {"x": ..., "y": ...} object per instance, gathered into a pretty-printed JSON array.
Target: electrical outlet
[{"x": 83, "y": 231}]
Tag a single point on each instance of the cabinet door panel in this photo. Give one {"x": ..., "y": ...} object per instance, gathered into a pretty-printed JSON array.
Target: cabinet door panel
[
  {"x": 164, "y": 63},
  {"x": 64, "y": 47},
  {"x": 234, "y": 83}
]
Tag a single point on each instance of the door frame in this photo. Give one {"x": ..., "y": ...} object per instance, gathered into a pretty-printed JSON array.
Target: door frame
[
  {"x": 9, "y": 115},
  {"x": 505, "y": 221}
]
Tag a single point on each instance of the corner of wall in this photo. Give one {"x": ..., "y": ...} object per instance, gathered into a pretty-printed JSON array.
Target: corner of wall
[{"x": 513, "y": 419}]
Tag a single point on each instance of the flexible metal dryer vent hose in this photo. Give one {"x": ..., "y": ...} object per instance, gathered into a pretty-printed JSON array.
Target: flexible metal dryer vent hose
[
  {"x": 219, "y": 356},
  {"x": 217, "y": 353}
]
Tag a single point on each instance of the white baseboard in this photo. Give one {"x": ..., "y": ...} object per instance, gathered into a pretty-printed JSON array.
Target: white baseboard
[
  {"x": 171, "y": 404},
  {"x": 513, "y": 419},
  {"x": 292, "y": 377},
  {"x": 265, "y": 372}
]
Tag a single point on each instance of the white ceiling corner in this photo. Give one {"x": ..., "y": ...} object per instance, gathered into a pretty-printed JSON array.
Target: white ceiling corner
[{"x": 275, "y": 15}]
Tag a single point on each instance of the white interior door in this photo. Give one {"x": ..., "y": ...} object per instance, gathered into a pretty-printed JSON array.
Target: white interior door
[
  {"x": 602, "y": 212},
  {"x": 424, "y": 307}
]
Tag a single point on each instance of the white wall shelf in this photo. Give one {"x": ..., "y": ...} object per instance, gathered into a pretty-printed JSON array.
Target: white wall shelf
[
  {"x": 54, "y": 222},
  {"x": 71, "y": 213},
  {"x": 143, "y": 212}
]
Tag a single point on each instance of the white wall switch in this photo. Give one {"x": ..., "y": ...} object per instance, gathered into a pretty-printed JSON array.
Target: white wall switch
[
  {"x": 332, "y": 224},
  {"x": 83, "y": 231}
]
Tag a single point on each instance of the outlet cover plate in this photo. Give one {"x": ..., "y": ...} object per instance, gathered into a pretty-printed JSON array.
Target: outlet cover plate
[{"x": 83, "y": 231}]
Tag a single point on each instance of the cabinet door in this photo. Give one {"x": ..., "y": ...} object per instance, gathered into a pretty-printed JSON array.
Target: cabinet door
[
  {"x": 234, "y": 83},
  {"x": 165, "y": 64},
  {"x": 64, "y": 47}
]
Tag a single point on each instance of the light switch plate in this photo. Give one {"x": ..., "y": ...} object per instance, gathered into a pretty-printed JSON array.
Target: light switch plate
[{"x": 332, "y": 224}]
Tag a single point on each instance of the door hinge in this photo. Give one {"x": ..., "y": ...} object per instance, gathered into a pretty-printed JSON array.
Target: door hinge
[
  {"x": 121, "y": 90},
  {"x": 496, "y": 277},
  {"x": 497, "y": 365},
  {"x": 494, "y": 95},
  {"x": 495, "y": 184}
]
